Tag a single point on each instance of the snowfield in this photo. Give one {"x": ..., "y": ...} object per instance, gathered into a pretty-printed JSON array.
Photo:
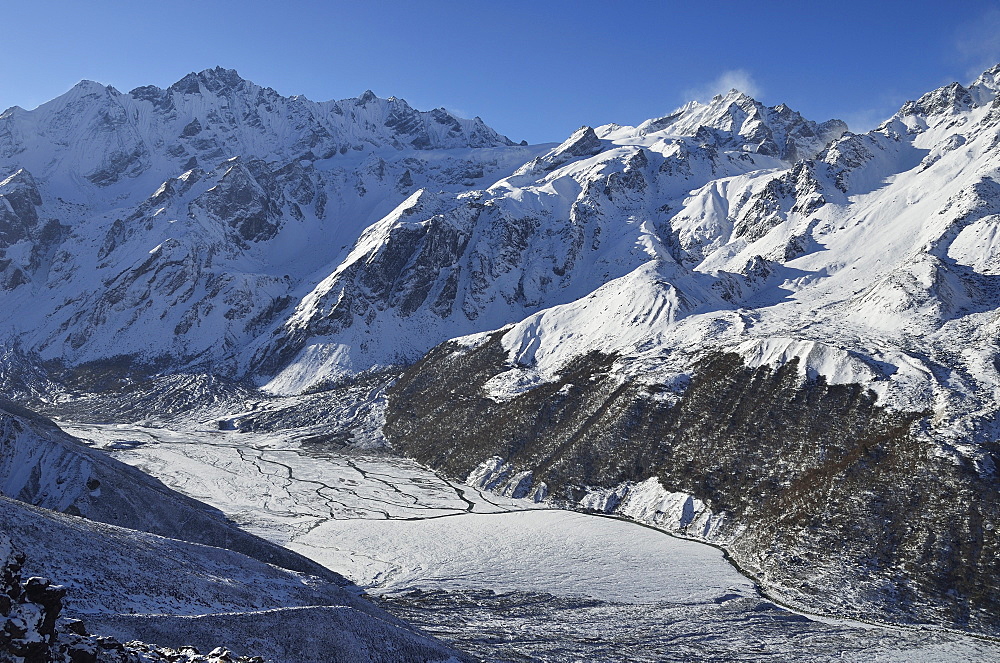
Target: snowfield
[
  {"x": 499, "y": 577},
  {"x": 567, "y": 554}
]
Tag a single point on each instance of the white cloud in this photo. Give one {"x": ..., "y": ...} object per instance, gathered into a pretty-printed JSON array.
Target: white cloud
[
  {"x": 739, "y": 79},
  {"x": 978, "y": 42},
  {"x": 457, "y": 112},
  {"x": 866, "y": 119}
]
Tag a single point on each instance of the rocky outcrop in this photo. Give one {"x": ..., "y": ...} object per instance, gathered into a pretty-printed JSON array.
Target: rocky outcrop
[
  {"x": 32, "y": 632},
  {"x": 27, "y": 240}
]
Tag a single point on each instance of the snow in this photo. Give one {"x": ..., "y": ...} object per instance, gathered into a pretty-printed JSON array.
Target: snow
[
  {"x": 318, "y": 360},
  {"x": 649, "y": 502},
  {"x": 874, "y": 287},
  {"x": 618, "y": 317},
  {"x": 556, "y": 552},
  {"x": 412, "y": 538},
  {"x": 505, "y": 386},
  {"x": 391, "y": 526},
  {"x": 836, "y": 365}
]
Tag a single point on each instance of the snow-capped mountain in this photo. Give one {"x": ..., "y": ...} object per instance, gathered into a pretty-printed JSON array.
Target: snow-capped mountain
[
  {"x": 586, "y": 212},
  {"x": 809, "y": 351},
  {"x": 202, "y": 208},
  {"x": 870, "y": 263},
  {"x": 792, "y": 325}
]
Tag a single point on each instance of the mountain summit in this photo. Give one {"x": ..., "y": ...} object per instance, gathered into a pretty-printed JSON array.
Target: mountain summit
[{"x": 736, "y": 121}]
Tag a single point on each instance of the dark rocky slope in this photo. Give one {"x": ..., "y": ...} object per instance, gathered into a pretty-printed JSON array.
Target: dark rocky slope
[{"x": 830, "y": 499}]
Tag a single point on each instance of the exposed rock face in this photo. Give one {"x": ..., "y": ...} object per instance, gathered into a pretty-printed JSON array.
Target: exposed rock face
[
  {"x": 241, "y": 202},
  {"x": 27, "y": 241},
  {"x": 583, "y": 143}
]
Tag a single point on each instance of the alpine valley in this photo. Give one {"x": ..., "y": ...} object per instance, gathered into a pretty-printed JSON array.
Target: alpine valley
[{"x": 313, "y": 321}]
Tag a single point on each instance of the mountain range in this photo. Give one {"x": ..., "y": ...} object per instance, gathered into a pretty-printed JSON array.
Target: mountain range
[{"x": 792, "y": 327}]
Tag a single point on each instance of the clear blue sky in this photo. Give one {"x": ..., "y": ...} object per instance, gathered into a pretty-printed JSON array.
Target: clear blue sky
[{"x": 534, "y": 70}]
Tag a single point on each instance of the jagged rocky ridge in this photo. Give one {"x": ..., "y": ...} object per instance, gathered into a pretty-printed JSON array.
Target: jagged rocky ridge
[{"x": 635, "y": 275}]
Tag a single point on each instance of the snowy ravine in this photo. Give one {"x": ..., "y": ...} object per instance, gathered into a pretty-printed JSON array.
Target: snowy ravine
[{"x": 501, "y": 578}]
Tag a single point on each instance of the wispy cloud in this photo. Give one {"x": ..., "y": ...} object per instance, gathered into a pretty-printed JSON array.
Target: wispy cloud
[
  {"x": 978, "y": 42},
  {"x": 867, "y": 119},
  {"x": 457, "y": 112},
  {"x": 739, "y": 79}
]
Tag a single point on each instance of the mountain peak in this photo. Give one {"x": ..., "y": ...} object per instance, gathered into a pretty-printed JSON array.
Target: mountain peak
[
  {"x": 991, "y": 75},
  {"x": 228, "y": 77},
  {"x": 733, "y": 96},
  {"x": 583, "y": 142},
  {"x": 735, "y": 120},
  {"x": 217, "y": 79},
  {"x": 955, "y": 97},
  {"x": 86, "y": 87},
  {"x": 986, "y": 88},
  {"x": 950, "y": 98}
]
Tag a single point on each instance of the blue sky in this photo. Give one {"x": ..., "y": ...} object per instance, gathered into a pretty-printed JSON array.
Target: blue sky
[{"x": 533, "y": 70}]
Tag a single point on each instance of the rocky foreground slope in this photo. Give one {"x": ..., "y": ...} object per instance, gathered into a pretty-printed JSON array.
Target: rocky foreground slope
[{"x": 732, "y": 321}]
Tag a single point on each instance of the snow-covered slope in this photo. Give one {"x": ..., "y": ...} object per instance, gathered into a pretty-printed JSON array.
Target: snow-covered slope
[
  {"x": 132, "y": 585},
  {"x": 803, "y": 347},
  {"x": 43, "y": 466},
  {"x": 177, "y": 224},
  {"x": 588, "y": 211},
  {"x": 138, "y": 558}
]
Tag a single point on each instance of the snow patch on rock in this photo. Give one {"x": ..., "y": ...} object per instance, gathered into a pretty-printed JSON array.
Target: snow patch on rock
[
  {"x": 649, "y": 502},
  {"x": 498, "y": 476}
]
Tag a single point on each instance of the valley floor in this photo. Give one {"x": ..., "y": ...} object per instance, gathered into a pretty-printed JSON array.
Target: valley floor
[{"x": 505, "y": 580}]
